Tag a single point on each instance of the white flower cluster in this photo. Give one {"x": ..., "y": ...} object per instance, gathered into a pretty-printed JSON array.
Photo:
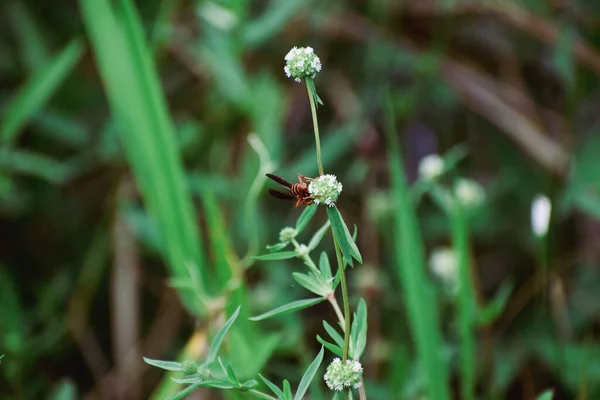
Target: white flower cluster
[
  {"x": 301, "y": 63},
  {"x": 431, "y": 167},
  {"x": 541, "y": 208},
  {"x": 443, "y": 262},
  {"x": 325, "y": 189},
  {"x": 469, "y": 193},
  {"x": 287, "y": 234},
  {"x": 340, "y": 376}
]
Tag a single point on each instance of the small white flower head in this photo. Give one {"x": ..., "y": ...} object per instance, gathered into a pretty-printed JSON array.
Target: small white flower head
[
  {"x": 301, "y": 63},
  {"x": 444, "y": 263},
  {"x": 431, "y": 167},
  {"x": 189, "y": 368},
  {"x": 303, "y": 250},
  {"x": 340, "y": 376},
  {"x": 287, "y": 234},
  {"x": 541, "y": 208},
  {"x": 325, "y": 190},
  {"x": 469, "y": 193}
]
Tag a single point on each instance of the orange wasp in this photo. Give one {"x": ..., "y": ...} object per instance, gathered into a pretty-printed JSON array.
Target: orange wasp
[{"x": 298, "y": 191}]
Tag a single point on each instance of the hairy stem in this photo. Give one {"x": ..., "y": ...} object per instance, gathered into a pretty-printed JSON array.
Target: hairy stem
[
  {"x": 336, "y": 307},
  {"x": 313, "y": 110}
]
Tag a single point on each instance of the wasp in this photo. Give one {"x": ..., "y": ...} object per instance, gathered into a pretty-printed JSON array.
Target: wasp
[{"x": 298, "y": 190}]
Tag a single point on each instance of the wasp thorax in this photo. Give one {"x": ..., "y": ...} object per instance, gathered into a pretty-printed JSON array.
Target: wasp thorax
[{"x": 325, "y": 190}]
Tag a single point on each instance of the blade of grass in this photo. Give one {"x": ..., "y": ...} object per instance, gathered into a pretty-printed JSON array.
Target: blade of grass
[
  {"x": 420, "y": 302},
  {"x": 32, "y": 96},
  {"x": 465, "y": 303},
  {"x": 135, "y": 97}
]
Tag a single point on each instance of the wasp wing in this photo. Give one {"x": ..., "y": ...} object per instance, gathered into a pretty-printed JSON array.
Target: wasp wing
[
  {"x": 282, "y": 196},
  {"x": 279, "y": 180}
]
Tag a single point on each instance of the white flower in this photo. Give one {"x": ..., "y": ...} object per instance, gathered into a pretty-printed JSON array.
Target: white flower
[
  {"x": 340, "y": 376},
  {"x": 541, "y": 208},
  {"x": 444, "y": 263},
  {"x": 287, "y": 234},
  {"x": 325, "y": 189},
  {"x": 469, "y": 193},
  {"x": 431, "y": 167},
  {"x": 302, "y": 63}
]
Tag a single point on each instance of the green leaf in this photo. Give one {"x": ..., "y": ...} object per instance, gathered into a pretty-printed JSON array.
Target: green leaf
[
  {"x": 318, "y": 236},
  {"x": 272, "y": 386},
  {"x": 337, "y": 338},
  {"x": 189, "y": 379},
  {"x": 359, "y": 330},
  {"x": 547, "y": 395},
  {"x": 181, "y": 394},
  {"x": 276, "y": 247},
  {"x": 32, "y": 96},
  {"x": 33, "y": 164},
  {"x": 168, "y": 365},
  {"x": 274, "y": 19},
  {"x": 229, "y": 372},
  {"x": 339, "y": 396},
  {"x": 331, "y": 347},
  {"x": 287, "y": 390},
  {"x": 251, "y": 384},
  {"x": 494, "y": 308},
  {"x": 147, "y": 133},
  {"x": 313, "y": 92},
  {"x": 216, "y": 343},
  {"x": 309, "y": 375},
  {"x": 284, "y": 255},
  {"x": 342, "y": 236},
  {"x": 287, "y": 308},
  {"x": 325, "y": 267},
  {"x": 309, "y": 282},
  {"x": 305, "y": 217}
]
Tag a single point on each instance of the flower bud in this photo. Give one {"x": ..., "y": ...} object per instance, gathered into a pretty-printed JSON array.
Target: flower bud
[
  {"x": 431, "y": 167},
  {"x": 541, "y": 208},
  {"x": 287, "y": 234}
]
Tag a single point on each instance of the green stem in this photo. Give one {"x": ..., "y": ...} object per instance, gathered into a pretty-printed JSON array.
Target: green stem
[
  {"x": 466, "y": 302},
  {"x": 306, "y": 257},
  {"x": 313, "y": 110},
  {"x": 336, "y": 307},
  {"x": 345, "y": 300},
  {"x": 261, "y": 395}
]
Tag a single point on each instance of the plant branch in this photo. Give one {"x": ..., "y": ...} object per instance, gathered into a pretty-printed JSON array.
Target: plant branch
[
  {"x": 345, "y": 300},
  {"x": 313, "y": 110}
]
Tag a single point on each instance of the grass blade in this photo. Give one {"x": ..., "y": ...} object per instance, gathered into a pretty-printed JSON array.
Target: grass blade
[
  {"x": 32, "y": 96},
  {"x": 421, "y": 306},
  {"x": 135, "y": 97},
  {"x": 216, "y": 344}
]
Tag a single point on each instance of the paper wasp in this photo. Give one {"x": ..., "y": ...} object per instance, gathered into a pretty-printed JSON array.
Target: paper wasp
[{"x": 298, "y": 190}]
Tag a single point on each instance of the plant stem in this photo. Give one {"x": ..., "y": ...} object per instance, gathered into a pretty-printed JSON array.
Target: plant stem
[
  {"x": 261, "y": 395},
  {"x": 336, "y": 307},
  {"x": 306, "y": 258},
  {"x": 345, "y": 300},
  {"x": 362, "y": 394},
  {"x": 313, "y": 110}
]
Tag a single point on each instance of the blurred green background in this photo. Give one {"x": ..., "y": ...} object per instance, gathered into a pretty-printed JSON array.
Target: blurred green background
[{"x": 134, "y": 141}]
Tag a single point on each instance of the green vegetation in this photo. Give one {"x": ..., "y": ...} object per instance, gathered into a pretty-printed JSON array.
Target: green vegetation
[{"x": 142, "y": 257}]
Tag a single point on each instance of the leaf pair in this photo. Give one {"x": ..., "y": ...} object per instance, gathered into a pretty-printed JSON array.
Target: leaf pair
[
  {"x": 342, "y": 237},
  {"x": 197, "y": 378},
  {"x": 358, "y": 335},
  {"x": 286, "y": 393}
]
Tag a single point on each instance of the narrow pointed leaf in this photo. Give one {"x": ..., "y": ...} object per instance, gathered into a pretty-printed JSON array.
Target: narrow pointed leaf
[
  {"x": 284, "y": 255},
  {"x": 331, "y": 347},
  {"x": 318, "y": 236},
  {"x": 309, "y": 375},
  {"x": 337, "y": 338},
  {"x": 325, "y": 266},
  {"x": 547, "y": 395},
  {"x": 185, "y": 392},
  {"x": 359, "y": 330},
  {"x": 305, "y": 217},
  {"x": 342, "y": 236},
  {"x": 277, "y": 247},
  {"x": 32, "y": 96},
  {"x": 167, "y": 365},
  {"x": 310, "y": 283},
  {"x": 287, "y": 390},
  {"x": 287, "y": 308},
  {"x": 272, "y": 386},
  {"x": 216, "y": 343}
]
